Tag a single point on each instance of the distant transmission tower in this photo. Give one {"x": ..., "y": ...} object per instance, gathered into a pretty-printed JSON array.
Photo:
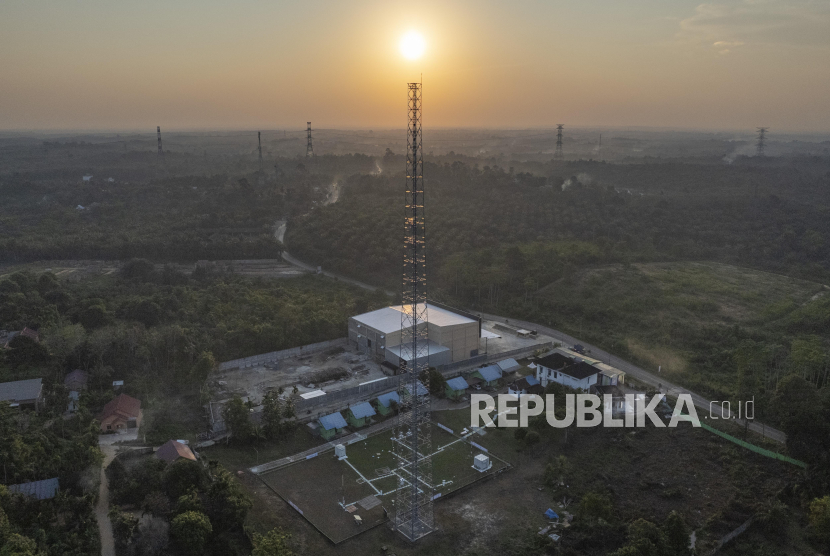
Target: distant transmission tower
[
  {"x": 309, "y": 151},
  {"x": 558, "y": 154},
  {"x": 158, "y": 134},
  {"x": 259, "y": 146},
  {"x": 762, "y": 131},
  {"x": 412, "y": 443}
]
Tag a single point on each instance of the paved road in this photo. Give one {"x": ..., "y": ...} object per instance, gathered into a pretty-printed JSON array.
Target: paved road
[{"x": 644, "y": 376}]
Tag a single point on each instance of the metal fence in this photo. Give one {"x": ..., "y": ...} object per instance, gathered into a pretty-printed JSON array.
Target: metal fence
[{"x": 256, "y": 360}]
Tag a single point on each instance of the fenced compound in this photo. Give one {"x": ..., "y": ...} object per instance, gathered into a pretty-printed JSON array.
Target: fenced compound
[{"x": 329, "y": 492}]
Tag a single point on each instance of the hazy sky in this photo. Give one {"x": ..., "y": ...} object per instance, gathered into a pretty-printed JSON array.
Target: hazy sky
[{"x": 249, "y": 64}]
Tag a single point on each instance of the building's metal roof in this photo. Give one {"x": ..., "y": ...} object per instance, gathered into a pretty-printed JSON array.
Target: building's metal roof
[
  {"x": 333, "y": 421},
  {"x": 531, "y": 380},
  {"x": 457, "y": 383},
  {"x": 386, "y": 399},
  {"x": 362, "y": 410},
  {"x": 313, "y": 394},
  {"x": 508, "y": 365},
  {"x": 491, "y": 373},
  {"x": 39, "y": 490},
  {"x": 438, "y": 316},
  {"x": 21, "y": 390},
  {"x": 432, "y": 348},
  {"x": 386, "y": 320}
]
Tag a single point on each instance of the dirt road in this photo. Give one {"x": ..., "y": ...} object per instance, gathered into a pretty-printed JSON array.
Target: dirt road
[{"x": 104, "y": 525}]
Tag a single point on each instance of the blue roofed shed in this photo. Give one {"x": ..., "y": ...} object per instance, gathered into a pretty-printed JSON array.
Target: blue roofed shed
[
  {"x": 331, "y": 425},
  {"x": 509, "y": 365},
  {"x": 385, "y": 402},
  {"x": 358, "y": 414},
  {"x": 456, "y": 387},
  {"x": 490, "y": 375},
  {"x": 422, "y": 390},
  {"x": 39, "y": 490},
  {"x": 550, "y": 514}
]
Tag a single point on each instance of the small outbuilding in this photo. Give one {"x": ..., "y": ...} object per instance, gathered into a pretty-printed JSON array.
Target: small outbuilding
[
  {"x": 39, "y": 490},
  {"x": 357, "y": 415},
  {"x": 491, "y": 375},
  {"x": 385, "y": 402},
  {"x": 508, "y": 365},
  {"x": 332, "y": 425},
  {"x": 421, "y": 389},
  {"x": 76, "y": 380},
  {"x": 23, "y": 393},
  {"x": 173, "y": 450},
  {"x": 456, "y": 388},
  {"x": 526, "y": 385}
]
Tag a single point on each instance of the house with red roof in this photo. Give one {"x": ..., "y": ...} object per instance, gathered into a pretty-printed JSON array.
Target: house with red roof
[
  {"x": 121, "y": 413},
  {"x": 172, "y": 450}
]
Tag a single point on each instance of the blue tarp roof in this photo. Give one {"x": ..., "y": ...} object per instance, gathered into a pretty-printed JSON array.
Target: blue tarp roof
[
  {"x": 490, "y": 373},
  {"x": 550, "y": 514},
  {"x": 531, "y": 380},
  {"x": 457, "y": 383},
  {"x": 333, "y": 421},
  {"x": 362, "y": 410},
  {"x": 39, "y": 490},
  {"x": 385, "y": 399}
]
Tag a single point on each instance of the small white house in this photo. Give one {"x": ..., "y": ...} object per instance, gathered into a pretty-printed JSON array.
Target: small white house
[
  {"x": 87, "y": 178},
  {"x": 566, "y": 371}
]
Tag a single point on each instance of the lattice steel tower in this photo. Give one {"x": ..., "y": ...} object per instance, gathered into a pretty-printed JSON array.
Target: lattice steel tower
[
  {"x": 259, "y": 146},
  {"x": 558, "y": 154},
  {"x": 762, "y": 131},
  {"x": 158, "y": 134},
  {"x": 412, "y": 443},
  {"x": 309, "y": 151}
]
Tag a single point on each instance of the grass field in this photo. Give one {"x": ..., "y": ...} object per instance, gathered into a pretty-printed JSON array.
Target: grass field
[
  {"x": 682, "y": 317},
  {"x": 322, "y": 486}
]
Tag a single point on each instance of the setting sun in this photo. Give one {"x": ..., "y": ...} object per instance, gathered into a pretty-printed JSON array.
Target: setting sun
[{"x": 412, "y": 45}]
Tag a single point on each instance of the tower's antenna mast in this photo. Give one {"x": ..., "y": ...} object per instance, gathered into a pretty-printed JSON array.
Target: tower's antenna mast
[
  {"x": 557, "y": 154},
  {"x": 762, "y": 131},
  {"x": 259, "y": 146},
  {"x": 158, "y": 134},
  {"x": 412, "y": 443},
  {"x": 309, "y": 151}
]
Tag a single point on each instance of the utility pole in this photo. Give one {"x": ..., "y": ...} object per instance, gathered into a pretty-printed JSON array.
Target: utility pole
[
  {"x": 412, "y": 442},
  {"x": 309, "y": 151}
]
